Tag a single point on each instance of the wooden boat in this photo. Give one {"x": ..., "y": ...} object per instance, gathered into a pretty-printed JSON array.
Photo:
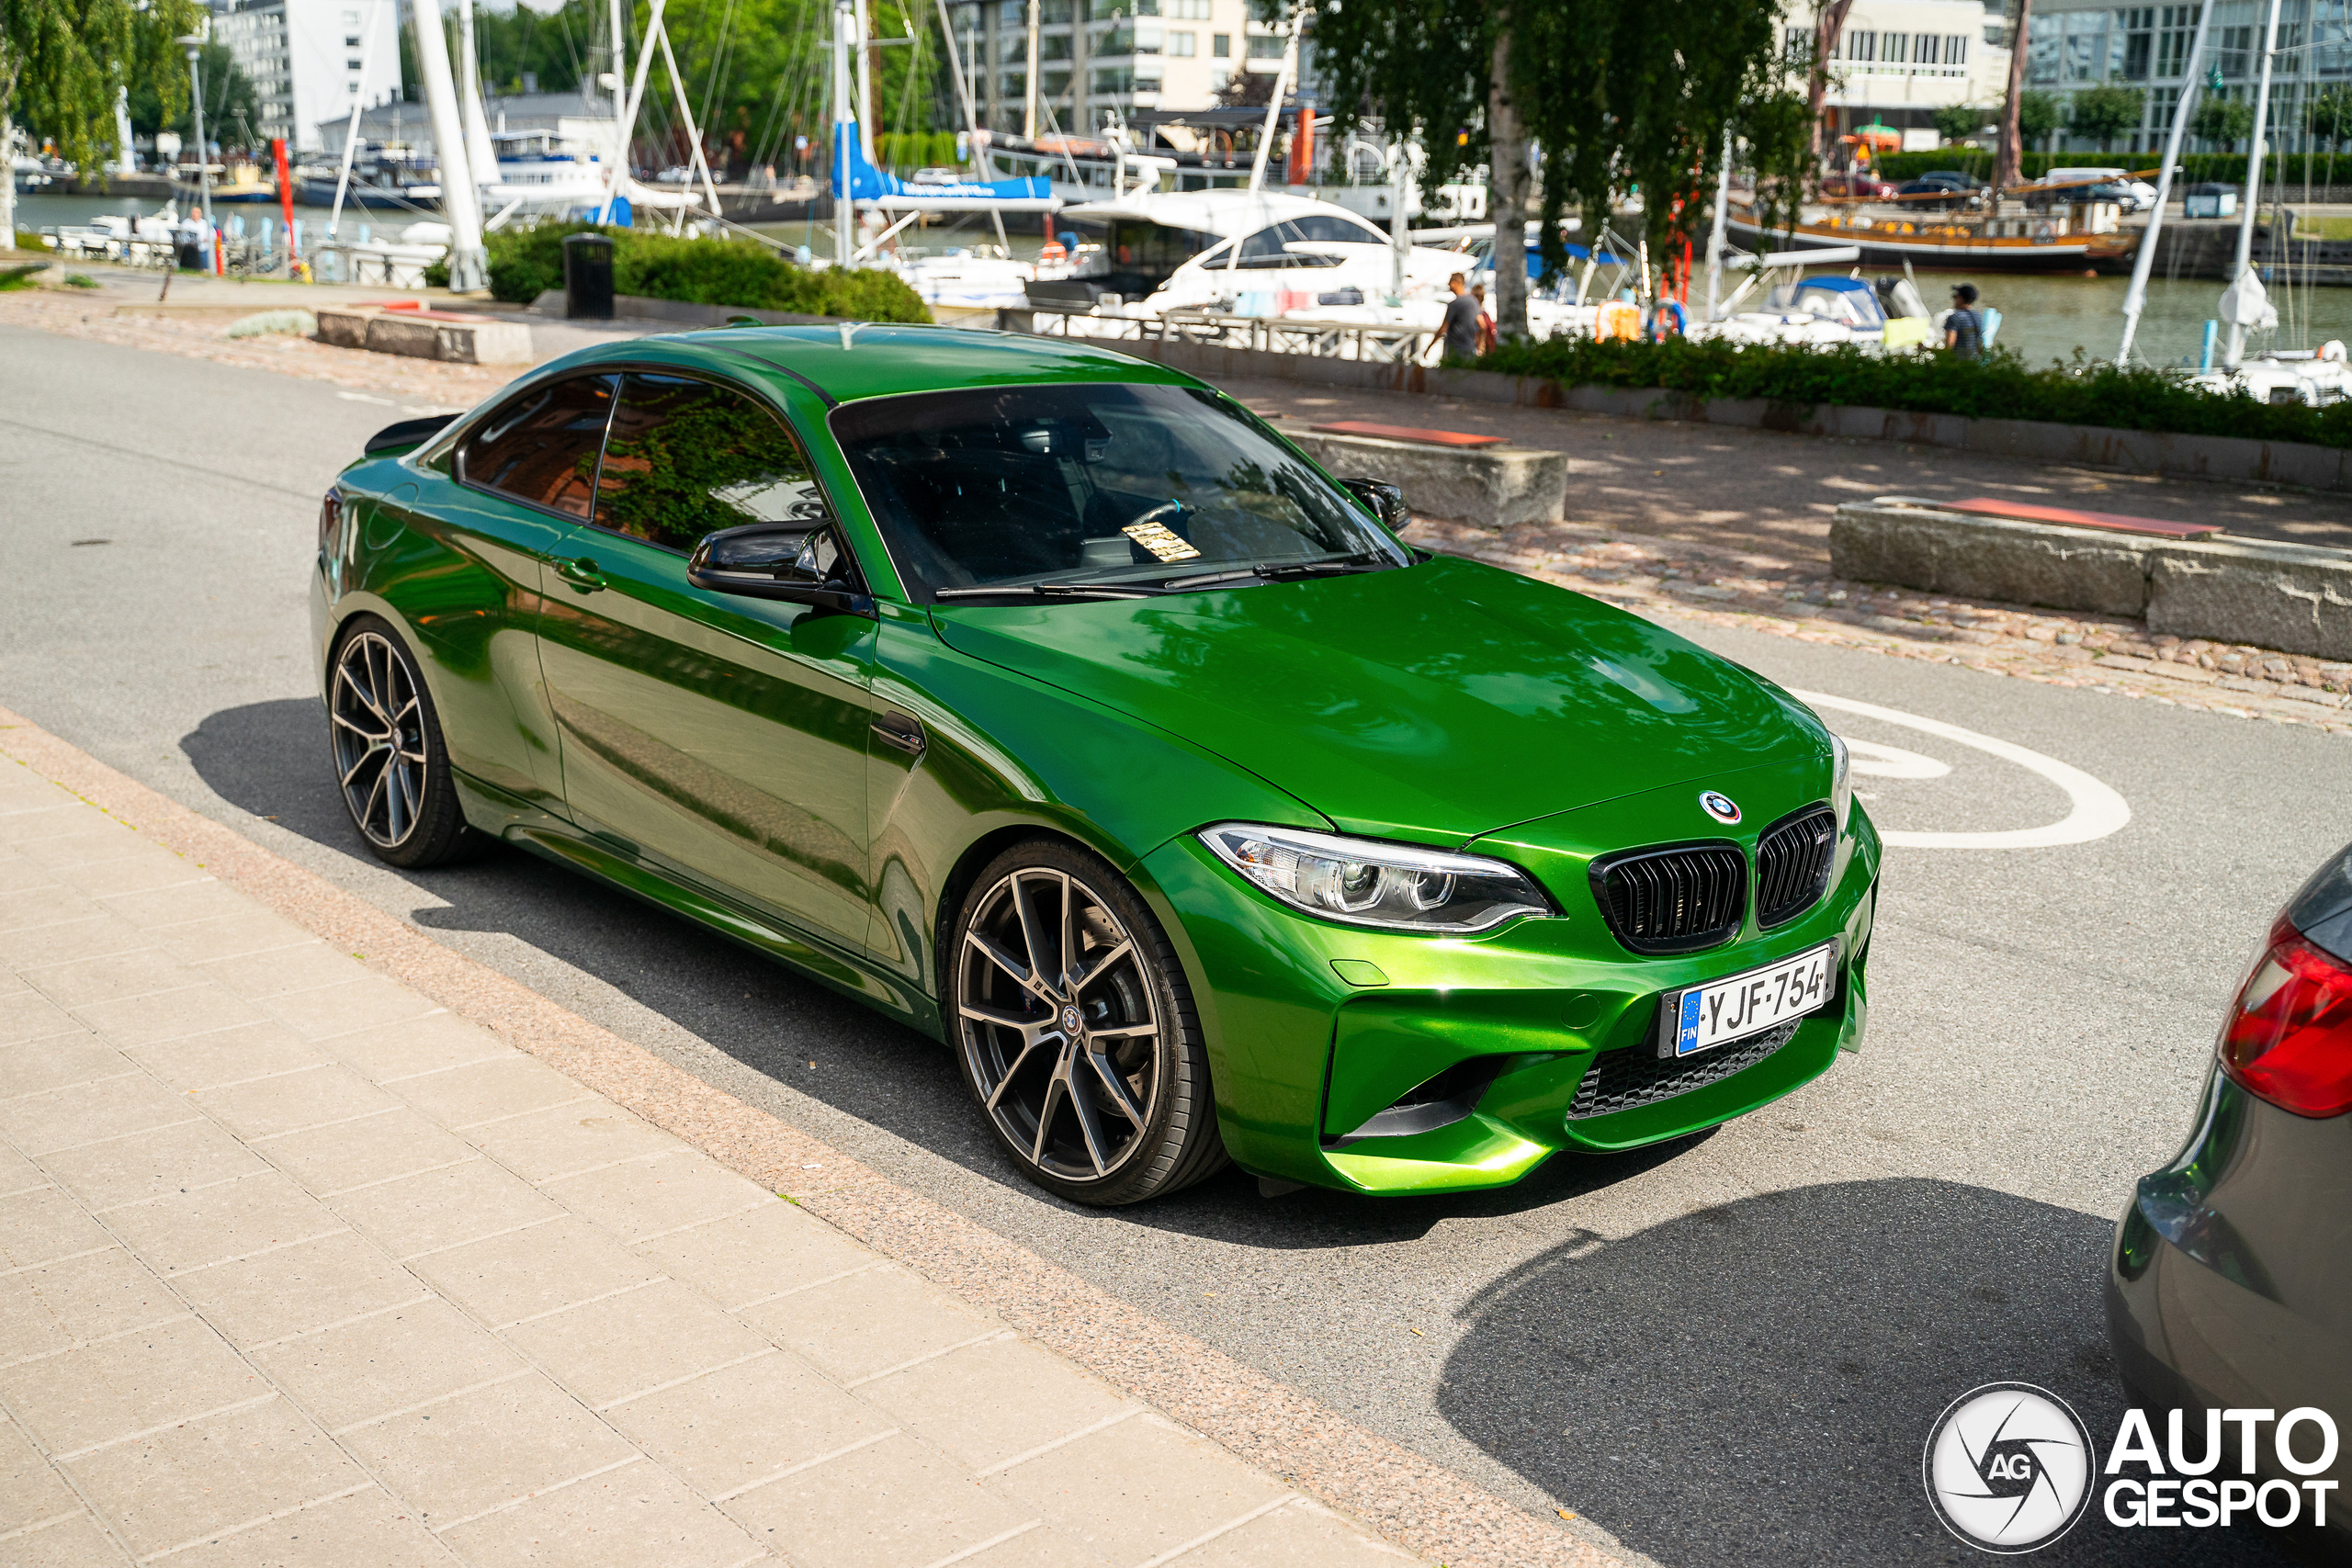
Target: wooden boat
[{"x": 1889, "y": 235}]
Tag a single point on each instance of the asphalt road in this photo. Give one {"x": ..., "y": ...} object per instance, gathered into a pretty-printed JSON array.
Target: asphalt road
[{"x": 1726, "y": 1351}]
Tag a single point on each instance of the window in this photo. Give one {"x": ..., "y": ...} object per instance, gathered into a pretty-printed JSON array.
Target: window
[
  {"x": 351, "y": 41},
  {"x": 687, "y": 458},
  {"x": 1956, "y": 48},
  {"x": 2179, "y": 24},
  {"x": 1861, "y": 45},
  {"x": 1268, "y": 247},
  {"x": 1078, "y": 483},
  {"x": 1924, "y": 48},
  {"x": 1184, "y": 46},
  {"x": 541, "y": 448},
  {"x": 1265, "y": 48},
  {"x": 1797, "y": 44},
  {"x": 1894, "y": 48},
  {"x": 1187, "y": 10},
  {"x": 1221, "y": 45}
]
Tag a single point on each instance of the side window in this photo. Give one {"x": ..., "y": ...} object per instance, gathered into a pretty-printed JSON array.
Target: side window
[
  {"x": 688, "y": 458},
  {"x": 542, "y": 446}
]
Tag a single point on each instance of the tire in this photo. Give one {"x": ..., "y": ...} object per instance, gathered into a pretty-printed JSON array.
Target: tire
[
  {"x": 391, "y": 766},
  {"x": 1099, "y": 1090}
]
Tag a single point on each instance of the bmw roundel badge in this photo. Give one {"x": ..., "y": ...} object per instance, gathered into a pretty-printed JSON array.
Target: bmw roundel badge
[{"x": 1720, "y": 806}]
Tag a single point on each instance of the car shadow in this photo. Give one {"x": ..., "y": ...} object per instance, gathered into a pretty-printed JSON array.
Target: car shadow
[
  {"x": 1755, "y": 1382},
  {"x": 269, "y": 759}
]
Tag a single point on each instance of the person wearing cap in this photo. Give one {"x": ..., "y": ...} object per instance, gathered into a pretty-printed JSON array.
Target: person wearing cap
[{"x": 1963, "y": 329}]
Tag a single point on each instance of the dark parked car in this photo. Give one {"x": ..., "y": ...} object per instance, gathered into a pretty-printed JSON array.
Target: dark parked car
[
  {"x": 1935, "y": 191},
  {"x": 1956, "y": 178},
  {"x": 2231, "y": 1283},
  {"x": 1859, "y": 183}
]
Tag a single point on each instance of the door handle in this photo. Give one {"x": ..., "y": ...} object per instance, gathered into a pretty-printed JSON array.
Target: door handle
[
  {"x": 900, "y": 733},
  {"x": 582, "y": 574}
]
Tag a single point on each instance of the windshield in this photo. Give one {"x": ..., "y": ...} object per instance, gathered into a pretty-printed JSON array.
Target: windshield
[{"x": 1018, "y": 486}]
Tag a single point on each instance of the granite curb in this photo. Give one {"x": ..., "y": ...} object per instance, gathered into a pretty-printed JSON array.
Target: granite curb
[{"x": 1405, "y": 1497}]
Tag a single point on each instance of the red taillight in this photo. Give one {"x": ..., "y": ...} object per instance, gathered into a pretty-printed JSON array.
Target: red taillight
[
  {"x": 329, "y": 516},
  {"x": 2288, "y": 1039}
]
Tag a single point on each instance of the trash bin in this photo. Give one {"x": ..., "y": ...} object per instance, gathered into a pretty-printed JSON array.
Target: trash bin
[
  {"x": 2209, "y": 201},
  {"x": 588, "y": 277}
]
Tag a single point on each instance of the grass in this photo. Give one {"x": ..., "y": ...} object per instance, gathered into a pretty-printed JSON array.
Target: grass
[{"x": 2310, "y": 228}]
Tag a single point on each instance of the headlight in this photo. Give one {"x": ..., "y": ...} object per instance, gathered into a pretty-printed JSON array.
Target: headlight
[
  {"x": 1841, "y": 780},
  {"x": 1369, "y": 883}
]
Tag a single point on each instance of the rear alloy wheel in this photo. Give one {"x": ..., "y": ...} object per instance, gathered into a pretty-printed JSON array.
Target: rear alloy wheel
[
  {"x": 388, "y": 759},
  {"x": 1077, "y": 1033}
]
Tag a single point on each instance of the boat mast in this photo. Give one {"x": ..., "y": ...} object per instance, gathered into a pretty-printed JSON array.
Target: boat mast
[
  {"x": 2135, "y": 298},
  {"x": 480, "y": 156},
  {"x": 351, "y": 128},
  {"x": 971, "y": 119},
  {"x": 844, "y": 213},
  {"x": 1275, "y": 104},
  {"x": 1029, "y": 94},
  {"x": 620, "y": 118},
  {"x": 866, "y": 86},
  {"x": 460, "y": 201},
  {"x": 1716, "y": 235},
  {"x": 2254, "y": 159}
]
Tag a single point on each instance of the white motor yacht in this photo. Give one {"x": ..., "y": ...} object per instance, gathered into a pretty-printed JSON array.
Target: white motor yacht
[{"x": 1240, "y": 253}]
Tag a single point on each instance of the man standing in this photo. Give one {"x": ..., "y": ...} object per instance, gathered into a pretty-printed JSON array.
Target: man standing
[
  {"x": 1963, "y": 329},
  {"x": 1462, "y": 317}
]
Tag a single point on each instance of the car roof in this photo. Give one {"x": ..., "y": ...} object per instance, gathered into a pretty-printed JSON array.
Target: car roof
[{"x": 880, "y": 359}]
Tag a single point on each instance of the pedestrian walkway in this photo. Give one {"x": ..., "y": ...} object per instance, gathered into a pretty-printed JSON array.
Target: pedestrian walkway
[{"x": 297, "y": 1268}]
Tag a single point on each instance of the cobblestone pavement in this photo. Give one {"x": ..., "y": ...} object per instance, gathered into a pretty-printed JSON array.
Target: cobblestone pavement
[{"x": 1725, "y": 585}]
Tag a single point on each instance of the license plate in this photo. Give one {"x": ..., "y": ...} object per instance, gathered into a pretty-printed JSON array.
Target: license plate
[{"x": 1721, "y": 1011}]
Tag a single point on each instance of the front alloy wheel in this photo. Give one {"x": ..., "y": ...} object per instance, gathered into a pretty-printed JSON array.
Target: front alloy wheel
[{"x": 1075, "y": 1032}]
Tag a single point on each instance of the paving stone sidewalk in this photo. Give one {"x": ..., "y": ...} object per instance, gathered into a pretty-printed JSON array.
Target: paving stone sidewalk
[{"x": 297, "y": 1268}]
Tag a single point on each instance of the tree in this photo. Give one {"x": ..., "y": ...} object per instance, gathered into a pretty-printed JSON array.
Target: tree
[
  {"x": 1247, "y": 90},
  {"x": 2328, "y": 115},
  {"x": 61, "y": 62},
  {"x": 1778, "y": 129},
  {"x": 2105, "y": 113},
  {"x": 2222, "y": 120},
  {"x": 232, "y": 107},
  {"x": 2037, "y": 116},
  {"x": 1957, "y": 121},
  {"x": 2007, "y": 163}
]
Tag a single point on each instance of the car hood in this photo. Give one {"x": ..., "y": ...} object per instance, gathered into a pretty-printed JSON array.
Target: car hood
[{"x": 1435, "y": 703}]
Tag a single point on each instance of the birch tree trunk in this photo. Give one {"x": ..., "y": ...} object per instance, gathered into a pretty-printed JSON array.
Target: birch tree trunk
[{"x": 1506, "y": 189}]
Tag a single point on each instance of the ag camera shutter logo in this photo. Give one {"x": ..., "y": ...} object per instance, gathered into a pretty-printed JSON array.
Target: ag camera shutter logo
[{"x": 2009, "y": 1468}]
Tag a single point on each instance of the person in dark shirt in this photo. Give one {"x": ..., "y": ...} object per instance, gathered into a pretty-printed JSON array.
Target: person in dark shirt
[
  {"x": 1462, "y": 316},
  {"x": 1964, "y": 329}
]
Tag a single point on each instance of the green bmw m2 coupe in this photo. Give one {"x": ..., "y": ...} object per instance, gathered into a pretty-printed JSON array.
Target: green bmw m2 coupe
[{"x": 1053, "y": 704}]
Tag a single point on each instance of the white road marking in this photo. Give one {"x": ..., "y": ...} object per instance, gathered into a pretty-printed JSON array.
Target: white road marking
[
  {"x": 1893, "y": 762},
  {"x": 2098, "y": 809}
]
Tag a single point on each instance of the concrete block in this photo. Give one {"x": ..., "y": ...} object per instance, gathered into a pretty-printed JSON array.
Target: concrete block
[
  {"x": 421, "y": 334},
  {"x": 1493, "y": 486},
  {"x": 2295, "y": 598},
  {"x": 1992, "y": 558}
]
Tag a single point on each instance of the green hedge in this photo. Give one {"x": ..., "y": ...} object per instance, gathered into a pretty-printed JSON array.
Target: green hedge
[
  {"x": 1998, "y": 386},
  {"x": 525, "y": 263},
  {"x": 2197, "y": 168}
]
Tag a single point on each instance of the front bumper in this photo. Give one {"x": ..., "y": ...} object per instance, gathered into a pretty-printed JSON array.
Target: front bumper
[{"x": 1303, "y": 1059}]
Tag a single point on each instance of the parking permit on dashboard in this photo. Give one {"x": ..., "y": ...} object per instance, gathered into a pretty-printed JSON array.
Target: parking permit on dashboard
[{"x": 1167, "y": 547}]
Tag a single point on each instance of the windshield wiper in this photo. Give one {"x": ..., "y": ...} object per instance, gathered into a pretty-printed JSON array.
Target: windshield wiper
[
  {"x": 1274, "y": 572},
  {"x": 1051, "y": 591}
]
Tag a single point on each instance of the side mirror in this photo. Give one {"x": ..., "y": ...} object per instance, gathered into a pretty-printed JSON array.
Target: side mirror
[
  {"x": 1385, "y": 502},
  {"x": 780, "y": 560}
]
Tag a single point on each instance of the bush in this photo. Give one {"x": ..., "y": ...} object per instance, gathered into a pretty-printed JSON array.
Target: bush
[
  {"x": 1998, "y": 386},
  {"x": 526, "y": 262}
]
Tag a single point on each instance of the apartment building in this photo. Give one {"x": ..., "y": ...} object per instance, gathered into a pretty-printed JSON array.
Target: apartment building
[
  {"x": 2073, "y": 44},
  {"x": 1095, "y": 56},
  {"x": 309, "y": 59},
  {"x": 1899, "y": 61}
]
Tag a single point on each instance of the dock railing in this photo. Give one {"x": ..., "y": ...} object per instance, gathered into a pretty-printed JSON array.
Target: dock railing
[{"x": 1375, "y": 342}]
